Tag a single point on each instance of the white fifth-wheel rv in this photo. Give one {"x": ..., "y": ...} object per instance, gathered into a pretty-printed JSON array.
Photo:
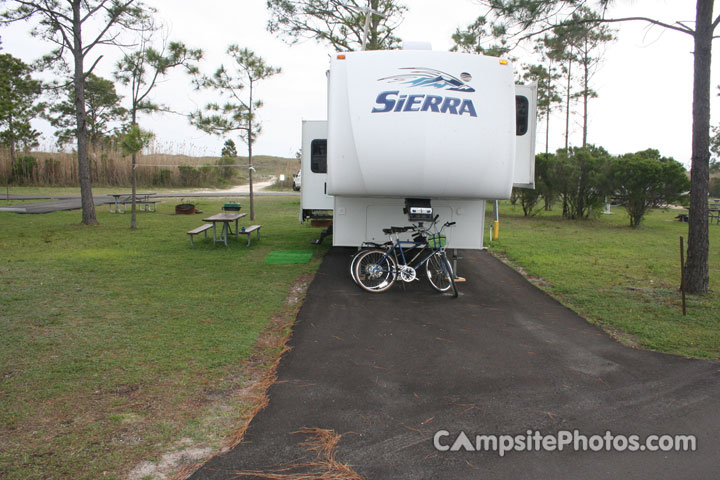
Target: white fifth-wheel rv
[{"x": 443, "y": 130}]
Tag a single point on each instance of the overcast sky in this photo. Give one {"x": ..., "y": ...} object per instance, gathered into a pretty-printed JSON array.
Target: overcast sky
[{"x": 644, "y": 84}]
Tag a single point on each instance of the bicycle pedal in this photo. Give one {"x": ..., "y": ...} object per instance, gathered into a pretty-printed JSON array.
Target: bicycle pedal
[{"x": 460, "y": 279}]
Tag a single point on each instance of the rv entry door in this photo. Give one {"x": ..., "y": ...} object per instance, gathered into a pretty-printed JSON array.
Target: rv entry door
[
  {"x": 525, "y": 123},
  {"x": 313, "y": 193}
]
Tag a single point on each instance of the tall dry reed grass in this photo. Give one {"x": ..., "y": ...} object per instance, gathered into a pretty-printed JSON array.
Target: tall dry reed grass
[{"x": 111, "y": 168}]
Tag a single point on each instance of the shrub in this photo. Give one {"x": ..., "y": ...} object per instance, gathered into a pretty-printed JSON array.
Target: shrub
[
  {"x": 227, "y": 167},
  {"x": 528, "y": 199},
  {"x": 189, "y": 176},
  {"x": 715, "y": 187},
  {"x": 545, "y": 182},
  {"x": 645, "y": 180},
  {"x": 580, "y": 175},
  {"x": 25, "y": 169},
  {"x": 162, "y": 177}
]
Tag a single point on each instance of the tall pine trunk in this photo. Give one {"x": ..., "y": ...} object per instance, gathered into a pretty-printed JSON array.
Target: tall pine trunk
[
  {"x": 586, "y": 92},
  {"x": 133, "y": 176},
  {"x": 13, "y": 153},
  {"x": 696, "y": 270},
  {"x": 547, "y": 131},
  {"x": 250, "y": 181},
  {"x": 88, "y": 207},
  {"x": 250, "y": 157},
  {"x": 567, "y": 106}
]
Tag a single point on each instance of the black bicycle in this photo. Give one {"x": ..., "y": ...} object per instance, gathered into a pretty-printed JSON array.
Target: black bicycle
[{"x": 376, "y": 269}]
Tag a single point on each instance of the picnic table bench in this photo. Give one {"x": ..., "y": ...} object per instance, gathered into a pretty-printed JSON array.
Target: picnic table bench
[
  {"x": 248, "y": 230},
  {"x": 200, "y": 229},
  {"x": 241, "y": 231}
]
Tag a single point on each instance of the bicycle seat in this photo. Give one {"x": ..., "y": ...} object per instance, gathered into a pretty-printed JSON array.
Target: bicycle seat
[
  {"x": 375, "y": 244},
  {"x": 388, "y": 231}
]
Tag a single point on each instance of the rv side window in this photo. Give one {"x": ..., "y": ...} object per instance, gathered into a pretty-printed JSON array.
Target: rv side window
[
  {"x": 522, "y": 109},
  {"x": 318, "y": 156}
]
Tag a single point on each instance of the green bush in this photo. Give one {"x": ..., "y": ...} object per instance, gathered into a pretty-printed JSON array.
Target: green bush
[
  {"x": 528, "y": 199},
  {"x": 162, "y": 177},
  {"x": 715, "y": 187},
  {"x": 189, "y": 176},
  {"x": 227, "y": 167},
  {"x": 208, "y": 175},
  {"x": 645, "y": 180},
  {"x": 25, "y": 169}
]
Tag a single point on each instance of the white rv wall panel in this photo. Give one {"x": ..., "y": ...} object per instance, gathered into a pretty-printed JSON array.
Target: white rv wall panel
[
  {"x": 361, "y": 219},
  {"x": 421, "y": 124}
]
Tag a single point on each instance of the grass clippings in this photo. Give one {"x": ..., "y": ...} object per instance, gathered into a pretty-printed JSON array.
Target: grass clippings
[{"x": 324, "y": 466}]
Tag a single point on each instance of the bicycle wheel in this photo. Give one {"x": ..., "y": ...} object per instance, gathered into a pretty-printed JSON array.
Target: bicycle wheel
[
  {"x": 440, "y": 274},
  {"x": 375, "y": 271},
  {"x": 354, "y": 262}
]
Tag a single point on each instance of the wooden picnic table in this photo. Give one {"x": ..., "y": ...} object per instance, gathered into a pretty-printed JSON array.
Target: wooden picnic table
[
  {"x": 714, "y": 213},
  {"x": 125, "y": 198},
  {"x": 225, "y": 218}
]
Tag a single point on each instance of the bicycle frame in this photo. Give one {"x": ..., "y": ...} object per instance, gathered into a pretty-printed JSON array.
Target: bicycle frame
[
  {"x": 397, "y": 245},
  {"x": 393, "y": 260}
]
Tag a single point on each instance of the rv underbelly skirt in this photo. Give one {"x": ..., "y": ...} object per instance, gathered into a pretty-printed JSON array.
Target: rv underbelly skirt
[{"x": 361, "y": 219}]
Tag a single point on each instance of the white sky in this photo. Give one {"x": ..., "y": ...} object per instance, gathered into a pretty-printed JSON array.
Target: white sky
[{"x": 644, "y": 85}]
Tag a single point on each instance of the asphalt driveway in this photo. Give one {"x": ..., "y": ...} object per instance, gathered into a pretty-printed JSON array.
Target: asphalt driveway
[{"x": 388, "y": 371}]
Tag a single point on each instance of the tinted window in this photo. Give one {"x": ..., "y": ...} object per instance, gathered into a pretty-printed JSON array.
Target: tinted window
[
  {"x": 522, "y": 111},
  {"x": 318, "y": 156}
]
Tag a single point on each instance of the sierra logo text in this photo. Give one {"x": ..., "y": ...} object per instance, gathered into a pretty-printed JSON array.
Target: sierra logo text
[{"x": 396, "y": 101}]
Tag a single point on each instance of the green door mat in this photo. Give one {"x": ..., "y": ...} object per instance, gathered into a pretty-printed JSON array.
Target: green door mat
[{"x": 287, "y": 257}]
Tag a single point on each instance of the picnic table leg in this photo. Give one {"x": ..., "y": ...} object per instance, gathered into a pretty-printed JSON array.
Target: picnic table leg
[
  {"x": 226, "y": 227},
  {"x": 214, "y": 235},
  {"x": 237, "y": 230}
]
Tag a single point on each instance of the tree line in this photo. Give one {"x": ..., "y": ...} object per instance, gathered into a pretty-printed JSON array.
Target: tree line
[
  {"x": 86, "y": 106},
  {"x": 581, "y": 180}
]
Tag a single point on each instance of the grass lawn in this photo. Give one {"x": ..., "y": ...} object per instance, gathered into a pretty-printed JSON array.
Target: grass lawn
[
  {"x": 623, "y": 279},
  {"x": 115, "y": 342}
]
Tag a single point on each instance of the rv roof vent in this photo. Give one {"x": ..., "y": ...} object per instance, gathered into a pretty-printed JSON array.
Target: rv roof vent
[{"x": 416, "y": 46}]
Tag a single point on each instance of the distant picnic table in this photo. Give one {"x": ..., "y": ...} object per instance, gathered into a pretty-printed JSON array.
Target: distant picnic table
[
  {"x": 123, "y": 199},
  {"x": 714, "y": 212}
]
